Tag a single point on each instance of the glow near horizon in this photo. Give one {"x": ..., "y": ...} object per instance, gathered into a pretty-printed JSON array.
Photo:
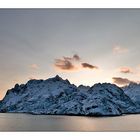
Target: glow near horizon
[{"x": 30, "y": 41}]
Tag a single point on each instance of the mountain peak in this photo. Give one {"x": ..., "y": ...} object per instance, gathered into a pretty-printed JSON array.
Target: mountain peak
[
  {"x": 106, "y": 88},
  {"x": 57, "y": 77},
  {"x": 104, "y": 85}
]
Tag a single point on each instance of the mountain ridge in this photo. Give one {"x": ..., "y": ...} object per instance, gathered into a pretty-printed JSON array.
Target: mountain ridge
[{"x": 57, "y": 96}]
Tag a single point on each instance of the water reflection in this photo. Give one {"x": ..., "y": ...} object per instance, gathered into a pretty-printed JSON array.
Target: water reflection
[{"x": 27, "y": 122}]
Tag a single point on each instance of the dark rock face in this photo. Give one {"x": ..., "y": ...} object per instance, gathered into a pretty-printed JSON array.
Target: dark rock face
[{"x": 58, "y": 96}]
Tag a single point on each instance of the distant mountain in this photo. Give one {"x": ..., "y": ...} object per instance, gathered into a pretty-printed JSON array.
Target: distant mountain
[
  {"x": 58, "y": 96},
  {"x": 133, "y": 91}
]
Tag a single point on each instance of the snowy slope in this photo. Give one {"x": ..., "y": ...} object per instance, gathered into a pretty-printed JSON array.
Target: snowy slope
[
  {"x": 133, "y": 91},
  {"x": 83, "y": 88},
  {"x": 58, "y": 96},
  {"x": 108, "y": 99}
]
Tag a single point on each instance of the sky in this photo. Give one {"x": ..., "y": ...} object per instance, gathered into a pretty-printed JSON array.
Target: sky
[{"x": 86, "y": 46}]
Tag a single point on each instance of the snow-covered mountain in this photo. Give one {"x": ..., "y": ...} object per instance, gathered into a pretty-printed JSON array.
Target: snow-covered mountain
[
  {"x": 109, "y": 100},
  {"x": 58, "y": 96},
  {"x": 133, "y": 91}
]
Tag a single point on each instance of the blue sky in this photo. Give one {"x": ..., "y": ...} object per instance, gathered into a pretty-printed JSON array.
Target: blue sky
[{"x": 32, "y": 40}]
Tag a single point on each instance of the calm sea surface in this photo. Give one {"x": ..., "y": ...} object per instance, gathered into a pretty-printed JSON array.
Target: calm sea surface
[{"x": 27, "y": 122}]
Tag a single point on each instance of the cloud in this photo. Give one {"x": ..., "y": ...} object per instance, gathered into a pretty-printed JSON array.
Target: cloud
[
  {"x": 76, "y": 57},
  {"x": 67, "y": 63},
  {"x": 64, "y": 64},
  {"x": 34, "y": 66},
  {"x": 121, "y": 81},
  {"x": 119, "y": 50},
  {"x": 125, "y": 70},
  {"x": 86, "y": 65},
  {"x": 72, "y": 63}
]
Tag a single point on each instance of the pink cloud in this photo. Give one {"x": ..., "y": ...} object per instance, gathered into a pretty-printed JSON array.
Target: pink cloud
[
  {"x": 64, "y": 64},
  {"x": 125, "y": 70},
  {"x": 87, "y": 65},
  {"x": 72, "y": 63},
  {"x": 121, "y": 81}
]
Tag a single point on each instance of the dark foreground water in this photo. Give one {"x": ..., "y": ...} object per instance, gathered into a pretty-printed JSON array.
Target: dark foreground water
[{"x": 27, "y": 122}]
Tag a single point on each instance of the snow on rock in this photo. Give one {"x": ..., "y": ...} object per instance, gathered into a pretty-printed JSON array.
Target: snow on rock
[
  {"x": 133, "y": 91},
  {"x": 58, "y": 96},
  {"x": 108, "y": 99},
  {"x": 83, "y": 88}
]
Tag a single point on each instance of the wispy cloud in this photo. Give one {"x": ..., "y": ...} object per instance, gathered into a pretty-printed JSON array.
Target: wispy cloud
[
  {"x": 67, "y": 63},
  {"x": 126, "y": 70},
  {"x": 64, "y": 64},
  {"x": 76, "y": 57},
  {"x": 121, "y": 81},
  {"x": 34, "y": 66},
  {"x": 87, "y": 65},
  {"x": 120, "y": 50},
  {"x": 72, "y": 63}
]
